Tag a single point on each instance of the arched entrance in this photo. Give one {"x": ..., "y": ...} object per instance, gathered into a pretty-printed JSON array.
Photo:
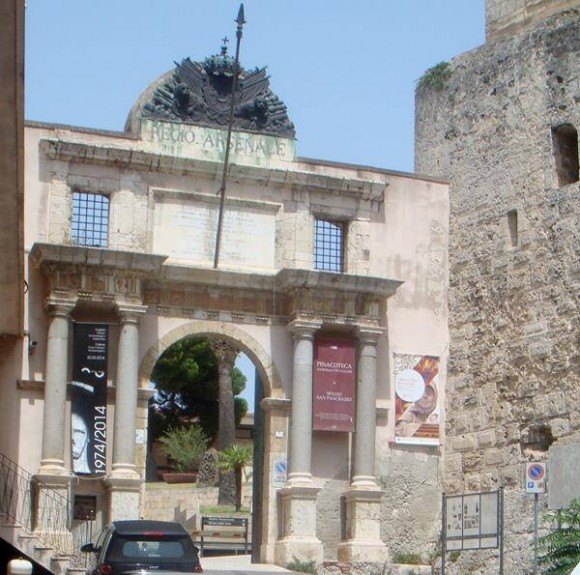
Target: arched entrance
[{"x": 266, "y": 384}]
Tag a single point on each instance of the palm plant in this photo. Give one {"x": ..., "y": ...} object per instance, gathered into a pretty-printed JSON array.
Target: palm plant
[
  {"x": 233, "y": 459},
  {"x": 560, "y": 549}
]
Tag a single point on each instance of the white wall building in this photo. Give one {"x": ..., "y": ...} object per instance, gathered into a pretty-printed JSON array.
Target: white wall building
[{"x": 120, "y": 230}]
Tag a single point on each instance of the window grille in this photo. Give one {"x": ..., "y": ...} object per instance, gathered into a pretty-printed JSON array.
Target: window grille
[
  {"x": 90, "y": 220},
  {"x": 329, "y": 245}
]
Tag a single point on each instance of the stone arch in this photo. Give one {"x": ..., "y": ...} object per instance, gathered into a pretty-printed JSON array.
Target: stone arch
[{"x": 238, "y": 337}]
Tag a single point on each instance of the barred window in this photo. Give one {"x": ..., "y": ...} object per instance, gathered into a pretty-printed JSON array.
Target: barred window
[
  {"x": 90, "y": 219},
  {"x": 329, "y": 245}
]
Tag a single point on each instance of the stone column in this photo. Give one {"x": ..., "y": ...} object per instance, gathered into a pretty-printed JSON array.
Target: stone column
[
  {"x": 226, "y": 356},
  {"x": 124, "y": 482},
  {"x": 298, "y": 497},
  {"x": 53, "y": 429},
  {"x": 363, "y": 497},
  {"x": 51, "y": 508}
]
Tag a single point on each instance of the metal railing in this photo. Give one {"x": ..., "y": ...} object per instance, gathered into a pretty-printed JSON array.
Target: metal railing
[{"x": 38, "y": 509}]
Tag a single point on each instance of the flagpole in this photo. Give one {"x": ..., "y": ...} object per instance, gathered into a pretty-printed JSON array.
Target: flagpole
[{"x": 222, "y": 191}]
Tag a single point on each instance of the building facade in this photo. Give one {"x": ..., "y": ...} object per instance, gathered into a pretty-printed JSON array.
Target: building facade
[
  {"x": 120, "y": 231},
  {"x": 503, "y": 127}
]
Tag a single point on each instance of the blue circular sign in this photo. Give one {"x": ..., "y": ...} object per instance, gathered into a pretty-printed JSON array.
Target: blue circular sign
[{"x": 536, "y": 471}]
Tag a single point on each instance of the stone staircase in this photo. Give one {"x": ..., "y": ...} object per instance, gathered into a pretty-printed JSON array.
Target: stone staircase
[{"x": 52, "y": 549}]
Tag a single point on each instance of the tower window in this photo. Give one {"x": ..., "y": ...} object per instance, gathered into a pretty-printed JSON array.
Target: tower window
[
  {"x": 90, "y": 220},
  {"x": 329, "y": 245},
  {"x": 565, "y": 146}
]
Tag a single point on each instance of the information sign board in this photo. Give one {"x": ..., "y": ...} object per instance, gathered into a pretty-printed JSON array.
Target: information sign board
[{"x": 471, "y": 521}]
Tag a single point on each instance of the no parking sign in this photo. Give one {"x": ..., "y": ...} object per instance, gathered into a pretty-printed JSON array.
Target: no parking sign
[{"x": 536, "y": 475}]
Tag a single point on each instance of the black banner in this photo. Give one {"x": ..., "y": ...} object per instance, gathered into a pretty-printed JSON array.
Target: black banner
[{"x": 89, "y": 398}]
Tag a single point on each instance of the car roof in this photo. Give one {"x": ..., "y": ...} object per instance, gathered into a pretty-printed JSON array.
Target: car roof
[{"x": 140, "y": 526}]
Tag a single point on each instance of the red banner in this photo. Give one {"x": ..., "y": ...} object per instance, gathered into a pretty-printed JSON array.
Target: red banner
[{"x": 334, "y": 375}]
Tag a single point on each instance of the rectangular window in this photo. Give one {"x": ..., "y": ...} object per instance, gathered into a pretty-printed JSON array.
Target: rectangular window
[
  {"x": 565, "y": 144},
  {"x": 512, "y": 218},
  {"x": 329, "y": 245},
  {"x": 90, "y": 220}
]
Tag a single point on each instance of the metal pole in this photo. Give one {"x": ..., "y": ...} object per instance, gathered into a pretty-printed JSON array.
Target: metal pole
[
  {"x": 501, "y": 531},
  {"x": 443, "y": 532},
  {"x": 241, "y": 21},
  {"x": 536, "y": 506}
]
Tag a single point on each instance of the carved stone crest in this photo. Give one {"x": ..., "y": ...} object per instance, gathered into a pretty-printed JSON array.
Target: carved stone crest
[{"x": 199, "y": 92}]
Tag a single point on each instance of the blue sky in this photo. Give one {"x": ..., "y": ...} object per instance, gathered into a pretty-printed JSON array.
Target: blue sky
[{"x": 345, "y": 69}]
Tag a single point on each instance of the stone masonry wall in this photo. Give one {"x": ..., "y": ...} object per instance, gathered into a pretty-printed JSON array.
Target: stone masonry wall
[
  {"x": 503, "y": 17},
  {"x": 514, "y": 369}
]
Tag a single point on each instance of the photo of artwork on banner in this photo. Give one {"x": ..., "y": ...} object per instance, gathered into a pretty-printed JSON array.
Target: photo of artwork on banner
[
  {"x": 417, "y": 410},
  {"x": 89, "y": 398}
]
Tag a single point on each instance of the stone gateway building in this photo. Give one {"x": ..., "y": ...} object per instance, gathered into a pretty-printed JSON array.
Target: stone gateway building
[
  {"x": 331, "y": 278},
  {"x": 503, "y": 125}
]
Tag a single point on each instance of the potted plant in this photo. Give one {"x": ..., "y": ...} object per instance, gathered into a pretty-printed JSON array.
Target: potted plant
[{"x": 184, "y": 446}]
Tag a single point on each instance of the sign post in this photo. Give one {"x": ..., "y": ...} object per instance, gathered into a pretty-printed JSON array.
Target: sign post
[{"x": 536, "y": 476}]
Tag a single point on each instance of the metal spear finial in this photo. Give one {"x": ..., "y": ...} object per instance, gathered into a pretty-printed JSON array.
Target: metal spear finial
[
  {"x": 236, "y": 71},
  {"x": 240, "y": 19}
]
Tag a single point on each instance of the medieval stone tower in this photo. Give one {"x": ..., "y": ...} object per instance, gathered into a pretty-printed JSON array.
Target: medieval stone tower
[{"x": 501, "y": 122}]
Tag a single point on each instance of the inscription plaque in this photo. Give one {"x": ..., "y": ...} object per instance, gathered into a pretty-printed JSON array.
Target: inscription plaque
[{"x": 185, "y": 228}]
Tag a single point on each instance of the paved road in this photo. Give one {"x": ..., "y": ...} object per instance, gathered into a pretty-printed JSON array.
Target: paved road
[{"x": 239, "y": 565}]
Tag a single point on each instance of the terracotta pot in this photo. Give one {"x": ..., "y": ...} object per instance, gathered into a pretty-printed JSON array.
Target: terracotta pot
[{"x": 180, "y": 477}]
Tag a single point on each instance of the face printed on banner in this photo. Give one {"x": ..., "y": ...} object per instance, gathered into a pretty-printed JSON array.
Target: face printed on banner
[{"x": 80, "y": 441}]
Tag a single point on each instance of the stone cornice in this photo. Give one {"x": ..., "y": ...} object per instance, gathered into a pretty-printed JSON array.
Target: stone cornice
[
  {"x": 276, "y": 403},
  {"x": 109, "y": 277},
  {"x": 289, "y": 279},
  {"x": 130, "y": 158},
  {"x": 43, "y": 253}
]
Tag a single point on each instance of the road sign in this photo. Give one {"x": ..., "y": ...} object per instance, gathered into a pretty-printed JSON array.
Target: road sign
[{"x": 536, "y": 476}]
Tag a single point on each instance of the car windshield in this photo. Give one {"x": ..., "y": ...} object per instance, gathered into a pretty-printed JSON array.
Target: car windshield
[{"x": 146, "y": 548}]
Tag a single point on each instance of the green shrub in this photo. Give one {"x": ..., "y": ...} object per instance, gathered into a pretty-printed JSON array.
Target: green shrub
[
  {"x": 560, "y": 549},
  {"x": 435, "y": 77},
  {"x": 302, "y": 566},
  {"x": 403, "y": 558},
  {"x": 454, "y": 556},
  {"x": 184, "y": 446}
]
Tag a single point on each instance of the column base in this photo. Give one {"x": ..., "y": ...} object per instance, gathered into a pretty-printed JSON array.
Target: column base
[
  {"x": 294, "y": 548},
  {"x": 52, "y": 468},
  {"x": 122, "y": 471},
  {"x": 363, "y": 524},
  {"x": 357, "y": 551},
  {"x": 124, "y": 493},
  {"x": 298, "y": 512},
  {"x": 51, "y": 509}
]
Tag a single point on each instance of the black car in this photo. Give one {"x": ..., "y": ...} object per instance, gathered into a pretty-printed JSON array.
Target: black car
[{"x": 126, "y": 546}]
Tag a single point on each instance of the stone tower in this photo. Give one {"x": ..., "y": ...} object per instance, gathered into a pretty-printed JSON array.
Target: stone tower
[{"x": 501, "y": 123}]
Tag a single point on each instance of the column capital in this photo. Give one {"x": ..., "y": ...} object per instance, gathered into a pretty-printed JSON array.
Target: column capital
[
  {"x": 369, "y": 334},
  {"x": 224, "y": 351},
  {"x": 60, "y": 307},
  {"x": 304, "y": 328},
  {"x": 130, "y": 313}
]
